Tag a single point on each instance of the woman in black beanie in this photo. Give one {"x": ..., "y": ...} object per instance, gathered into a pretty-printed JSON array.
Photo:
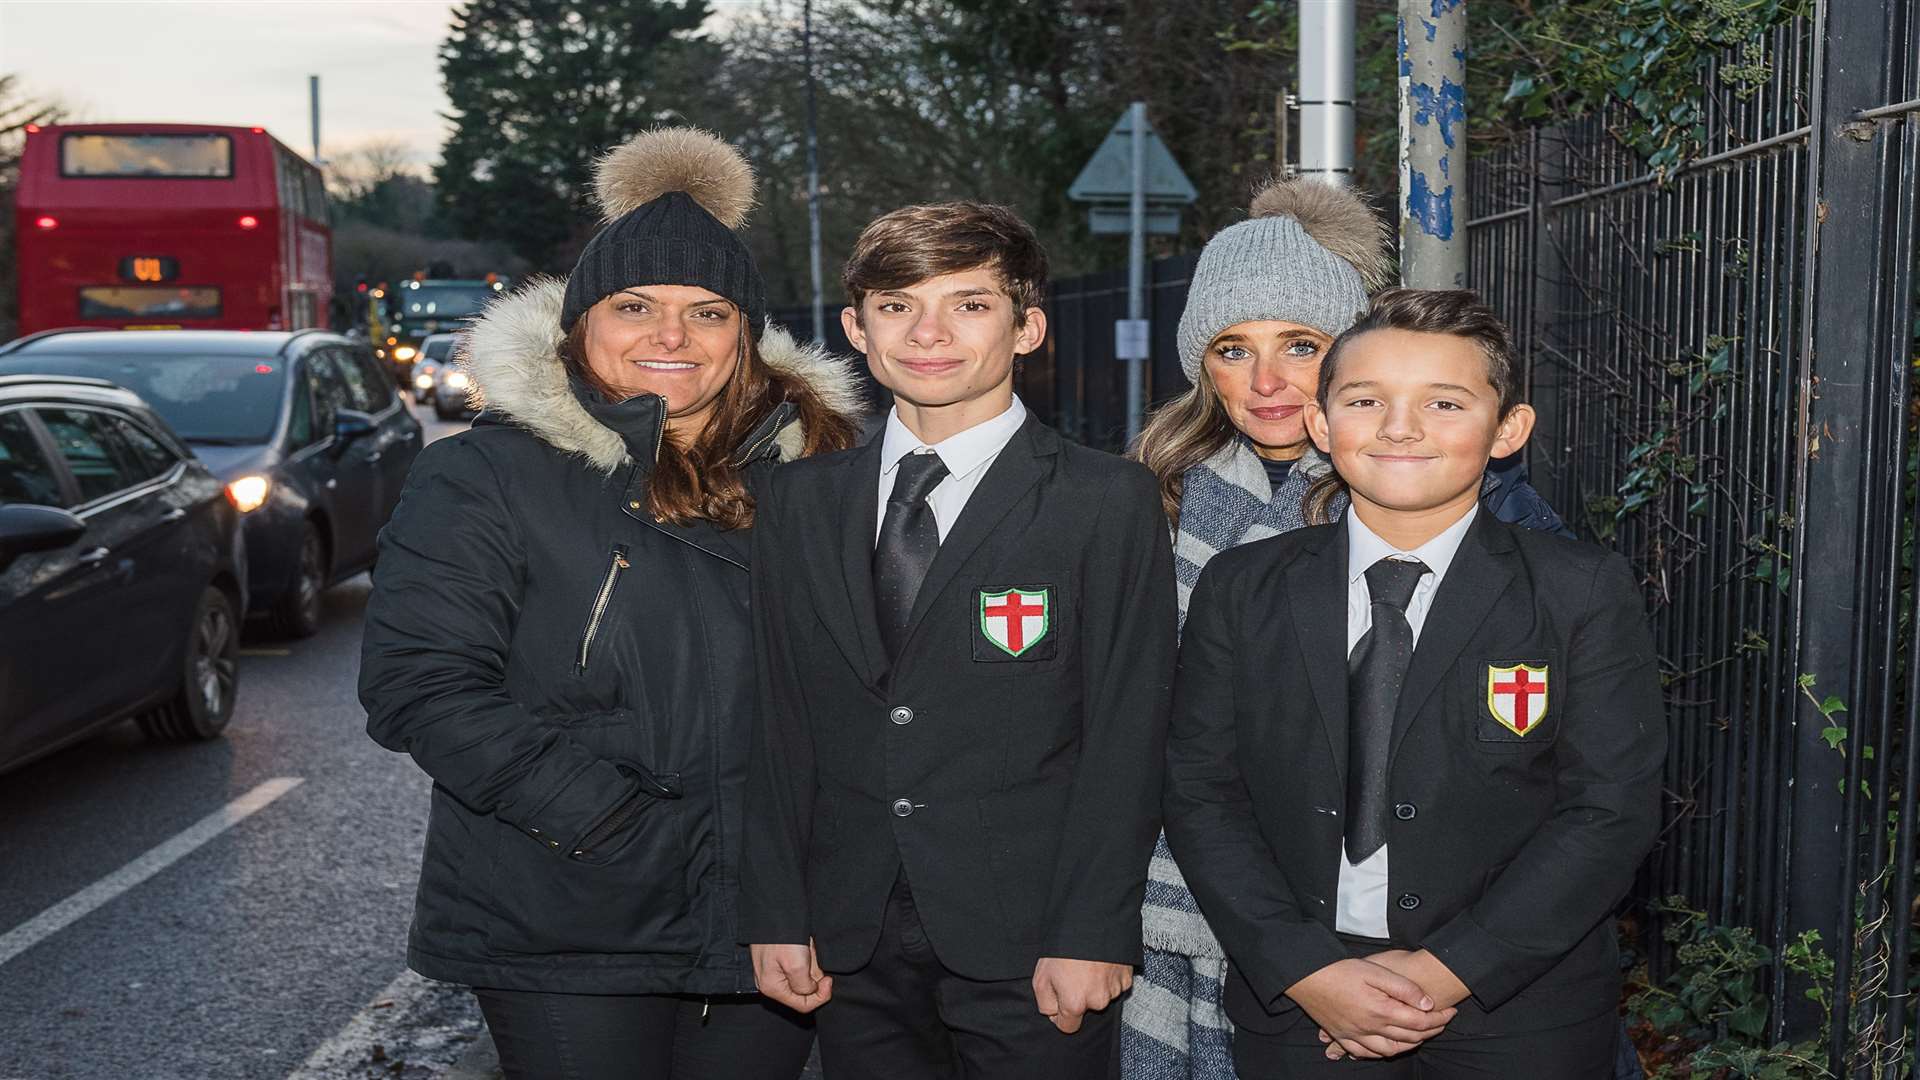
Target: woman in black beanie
[{"x": 559, "y": 635}]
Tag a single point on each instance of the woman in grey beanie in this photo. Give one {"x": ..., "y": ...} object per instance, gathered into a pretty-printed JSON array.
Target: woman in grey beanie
[{"x": 1235, "y": 465}]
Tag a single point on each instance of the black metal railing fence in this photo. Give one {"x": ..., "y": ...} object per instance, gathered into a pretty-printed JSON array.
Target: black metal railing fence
[{"x": 1721, "y": 358}]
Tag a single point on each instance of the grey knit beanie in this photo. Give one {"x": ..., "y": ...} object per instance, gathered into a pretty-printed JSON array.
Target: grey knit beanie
[
  {"x": 671, "y": 199},
  {"x": 1309, "y": 253}
]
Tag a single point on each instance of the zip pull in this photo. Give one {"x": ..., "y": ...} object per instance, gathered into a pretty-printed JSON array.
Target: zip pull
[{"x": 706, "y": 1009}]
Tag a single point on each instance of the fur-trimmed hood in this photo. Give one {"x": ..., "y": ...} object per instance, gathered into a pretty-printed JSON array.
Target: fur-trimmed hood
[{"x": 512, "y": 353}]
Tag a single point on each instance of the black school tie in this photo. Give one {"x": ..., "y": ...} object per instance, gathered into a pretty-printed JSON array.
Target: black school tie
[
  {"x": 1374, "y": 673},
  {"x": 909, "y": 539}
]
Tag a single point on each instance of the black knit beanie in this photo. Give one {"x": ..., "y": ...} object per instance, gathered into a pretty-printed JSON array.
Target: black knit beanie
[{"x": 672, "y": 199}]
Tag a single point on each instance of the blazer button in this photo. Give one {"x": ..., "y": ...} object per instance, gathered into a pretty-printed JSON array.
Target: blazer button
[
  {"x": 1409, "y": 901},
  {"x": 901, "y": 715},
  {"x": 902, "y": 807},
  {"x": 1405, "y": 811}
]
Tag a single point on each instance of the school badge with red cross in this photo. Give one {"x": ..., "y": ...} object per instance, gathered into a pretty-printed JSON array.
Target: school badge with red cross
[
  {"x": 1015, "y": 620},
  {"x": 1517, "y": 696}
]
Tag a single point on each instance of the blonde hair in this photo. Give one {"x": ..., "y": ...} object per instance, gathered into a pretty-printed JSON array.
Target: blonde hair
[
  {"x": 1192, "y": 428},
  {"x": 1181, "y": 434}
]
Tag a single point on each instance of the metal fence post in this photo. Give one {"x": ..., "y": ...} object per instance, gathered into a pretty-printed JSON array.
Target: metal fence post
[{"x": 1836, "y": 545}]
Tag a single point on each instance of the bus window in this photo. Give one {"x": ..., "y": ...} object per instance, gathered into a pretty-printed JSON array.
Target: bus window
[
  {"x": 165, "y": 302},
  {"x": 199, "y": 156}
]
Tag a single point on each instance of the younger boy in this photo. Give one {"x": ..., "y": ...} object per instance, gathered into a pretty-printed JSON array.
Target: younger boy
[
  {"x": 965, "y": 636},
  {"x": 1410, "y": 837}
]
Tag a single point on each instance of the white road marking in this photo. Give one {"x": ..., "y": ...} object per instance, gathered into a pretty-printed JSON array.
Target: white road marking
[
  {"x": 415, "y": 1021},
  {"x": 75, "y": 907}
]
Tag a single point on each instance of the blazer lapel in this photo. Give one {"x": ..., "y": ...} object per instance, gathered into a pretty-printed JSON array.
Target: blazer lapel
[
  {"x": 1317, "y": 596},
  {"x": 1012, "y": 474},
  {"x": 1479, "y": 574},
  {"x": 859, "y": 635}
]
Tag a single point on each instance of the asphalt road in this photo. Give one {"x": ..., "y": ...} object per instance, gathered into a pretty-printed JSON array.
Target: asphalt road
[{"x": 229, "y": 909}]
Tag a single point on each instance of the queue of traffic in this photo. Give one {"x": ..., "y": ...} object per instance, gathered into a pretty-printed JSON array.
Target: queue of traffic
[{"x": 185, "y": 449}]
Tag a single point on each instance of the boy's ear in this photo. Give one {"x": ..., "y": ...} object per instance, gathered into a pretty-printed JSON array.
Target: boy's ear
[
  {"x": 1514, "y": 431},
  {"x": 1317, "y": 427},
  {"x": 850, "y": 322},
  {"x": 1031, "y": 333}
]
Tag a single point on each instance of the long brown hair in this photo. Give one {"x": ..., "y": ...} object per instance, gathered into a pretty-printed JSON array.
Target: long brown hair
[{"x": 702, "y": 480}]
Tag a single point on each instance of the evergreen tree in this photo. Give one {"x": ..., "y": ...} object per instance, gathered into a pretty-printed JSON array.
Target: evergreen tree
[{"x": 539, "y": 89}]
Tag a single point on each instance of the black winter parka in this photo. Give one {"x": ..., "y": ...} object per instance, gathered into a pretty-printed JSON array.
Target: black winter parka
[{"x": 576, "y": 678}]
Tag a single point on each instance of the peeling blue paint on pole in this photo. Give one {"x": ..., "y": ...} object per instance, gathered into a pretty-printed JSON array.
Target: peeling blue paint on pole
[
  {"x": 1431, "y": 210},
  {"x": 1433, "y": 117}
]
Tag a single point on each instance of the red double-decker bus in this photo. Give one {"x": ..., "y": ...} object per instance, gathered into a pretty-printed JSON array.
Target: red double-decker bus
[{"x": 147, "y": 226}]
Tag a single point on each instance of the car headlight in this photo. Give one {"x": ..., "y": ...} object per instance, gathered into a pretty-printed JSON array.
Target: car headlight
[
  {"x": 248, "y": 493},
  {"x": 423, "y": 381},
  {"x": 457, "y": 380},
  {"x": 405, "y": 352}
]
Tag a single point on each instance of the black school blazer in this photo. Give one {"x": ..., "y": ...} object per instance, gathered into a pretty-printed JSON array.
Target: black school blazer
[
  {"x": 1511, "y": 840},
  {"x": 1016, "y": 781}
]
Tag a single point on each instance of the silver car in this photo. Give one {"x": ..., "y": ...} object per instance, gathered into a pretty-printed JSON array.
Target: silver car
[{"x": 435, "y": 352}]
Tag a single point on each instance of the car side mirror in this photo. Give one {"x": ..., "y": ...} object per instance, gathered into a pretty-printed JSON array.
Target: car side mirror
[
  {"x": 26, "y": 528},
  {"x": 351, "y": 424}
]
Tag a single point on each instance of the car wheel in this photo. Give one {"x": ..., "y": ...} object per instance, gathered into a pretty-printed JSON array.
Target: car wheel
[
  {"x": 297, "y": 615},
  {"x": 202, "y": 706}
]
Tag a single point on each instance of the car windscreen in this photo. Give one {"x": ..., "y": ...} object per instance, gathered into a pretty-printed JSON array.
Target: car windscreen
[
  {"x": 438, "y": 350},
  {"x": 216, "y": 399}
]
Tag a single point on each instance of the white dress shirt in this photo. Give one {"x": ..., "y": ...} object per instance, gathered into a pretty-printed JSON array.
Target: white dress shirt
[
  {"x": 1360, "y": 907},
  {"x": 967, "y": 457}
]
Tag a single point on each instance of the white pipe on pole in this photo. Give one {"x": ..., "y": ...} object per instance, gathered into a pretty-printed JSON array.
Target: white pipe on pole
[
  {"x": 1326, "y": 90},
  {"x": 313, "y": 99},
  {"x": 1137, "y": 266}
]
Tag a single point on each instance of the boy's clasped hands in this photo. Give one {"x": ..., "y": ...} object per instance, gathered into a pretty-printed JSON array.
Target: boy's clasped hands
[{"x": 1380, "y": 1006}]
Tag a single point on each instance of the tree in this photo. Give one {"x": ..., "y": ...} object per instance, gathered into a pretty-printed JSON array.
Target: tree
[{"x": 539, "y": 89}]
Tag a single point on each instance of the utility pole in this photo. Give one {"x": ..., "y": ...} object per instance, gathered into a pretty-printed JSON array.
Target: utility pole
[
  {"x": 1433, "y": 143},
  {"x": 813, "y": 181},
  {"x": 1326, "y": 90},
  {"x": 1137, "y": 271},
  {"x": 313, "y": 100}
]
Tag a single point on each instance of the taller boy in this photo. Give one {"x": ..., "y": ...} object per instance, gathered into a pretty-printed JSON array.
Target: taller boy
[{"x": 966, "y": 637}]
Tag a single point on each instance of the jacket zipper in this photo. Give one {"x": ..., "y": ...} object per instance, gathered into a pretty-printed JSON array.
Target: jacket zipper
[{"x": 600, "y": 602}]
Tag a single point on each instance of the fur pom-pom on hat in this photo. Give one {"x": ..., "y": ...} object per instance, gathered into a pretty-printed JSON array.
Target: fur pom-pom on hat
[
  {"x": 653, "y": 163},
  {"x": 1337, "y": 218}
]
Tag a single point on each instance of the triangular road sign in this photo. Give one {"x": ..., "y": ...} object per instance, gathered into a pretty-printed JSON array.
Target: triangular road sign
[{"x": 1108, "y": 175}]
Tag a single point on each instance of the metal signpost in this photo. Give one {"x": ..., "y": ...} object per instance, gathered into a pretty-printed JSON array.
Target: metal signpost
[{"x": 1134, "y": 186}]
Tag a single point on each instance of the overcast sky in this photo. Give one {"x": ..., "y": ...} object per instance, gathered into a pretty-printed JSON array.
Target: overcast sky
[
  {"x": 241, "y": 62},
  {"x": 245, "y": 62}
]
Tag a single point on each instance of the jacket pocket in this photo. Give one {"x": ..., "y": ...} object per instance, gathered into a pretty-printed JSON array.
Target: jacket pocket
[
  {"x": 1511, "y": 701},
  {"x": 1017, "y": 622},
  {"x": 627, "y": 892},
  {"x": 617, "y": 565}
]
